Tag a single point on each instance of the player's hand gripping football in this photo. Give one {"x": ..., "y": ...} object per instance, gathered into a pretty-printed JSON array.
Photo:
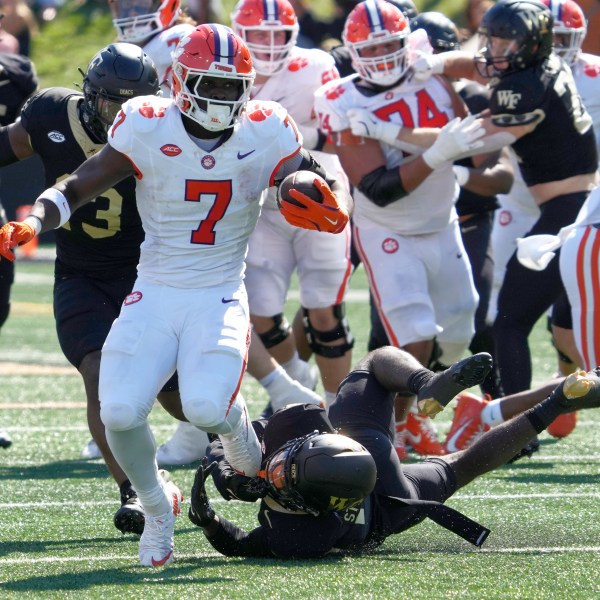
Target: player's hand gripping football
[
  {"x": 201, "y": 513},
  {"x": 303, "y": 211},
  {"x": 14, "y": 234}
]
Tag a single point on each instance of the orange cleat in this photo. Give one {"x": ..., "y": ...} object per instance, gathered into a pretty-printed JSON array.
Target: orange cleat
[
  {"x": 421, "y": 435},
  {"x": 563, "y": 425},
  {"x": 466, "y": 424}
]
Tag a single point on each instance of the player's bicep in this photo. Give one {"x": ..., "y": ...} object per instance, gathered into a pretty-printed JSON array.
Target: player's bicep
[
  {"x": 19, "y": 139},
  {"x": 358, "y": 161},
  {"x": 96, "y": 175}
]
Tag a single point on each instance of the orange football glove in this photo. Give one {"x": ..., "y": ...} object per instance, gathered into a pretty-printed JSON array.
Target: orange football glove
[
  {"x": 326, "y": 216},
  {"x": 14, "y": 234}
]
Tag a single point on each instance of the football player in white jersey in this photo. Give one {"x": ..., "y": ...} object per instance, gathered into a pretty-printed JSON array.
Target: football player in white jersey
[
  {"x": 202, "y": 160},
  {"x": 157, "y": 26},
  {"x": 291, "y": 75},
  {"x": 405, "y": 225}
]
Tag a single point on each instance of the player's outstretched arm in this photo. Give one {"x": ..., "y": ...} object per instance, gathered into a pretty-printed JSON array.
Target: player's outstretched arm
[{"x": 54, "y": 206}]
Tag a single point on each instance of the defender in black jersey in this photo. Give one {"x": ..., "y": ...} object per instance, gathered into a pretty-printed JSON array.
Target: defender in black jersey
[
  {"x": 98, "y": 249},
  {"x": 309, "y": 504},
  {"x": 535, "y": 107},
  {"x": 18, "y": 81}
]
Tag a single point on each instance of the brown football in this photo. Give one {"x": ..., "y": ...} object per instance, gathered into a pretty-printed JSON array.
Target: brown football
[{"x": 303, "y": 182}]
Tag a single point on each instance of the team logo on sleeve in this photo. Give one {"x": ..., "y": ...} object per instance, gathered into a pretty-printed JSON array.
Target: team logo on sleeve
[
  {"x": 56, "y": 136},
  {"x": 171, "y": 150},
  {"x": 133, "y": 298}
]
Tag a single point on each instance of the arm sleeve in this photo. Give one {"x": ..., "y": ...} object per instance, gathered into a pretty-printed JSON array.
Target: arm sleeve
[{"x": 382, "y": 186}]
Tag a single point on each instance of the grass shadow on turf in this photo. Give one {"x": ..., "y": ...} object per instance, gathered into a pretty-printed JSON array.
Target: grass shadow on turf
[
  {"x": 61, "y": 469},
  {"x": 126, "y": 575}
]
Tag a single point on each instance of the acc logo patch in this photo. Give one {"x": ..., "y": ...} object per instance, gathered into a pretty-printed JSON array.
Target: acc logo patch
[
  {"x": 208, "y": 161},
  {"x": 133, "y": 298},
  {"x": 56, "y": 136},
  {"x": 389, "y": 246},
  {"x": 171, "y": 150}
]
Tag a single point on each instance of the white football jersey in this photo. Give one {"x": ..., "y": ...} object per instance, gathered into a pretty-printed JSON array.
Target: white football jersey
[
  {"x": 295, "y": 85},
  {"x": 160, "y": 49},
  {"x": 430, "y": 207},
  {"x": 198, "y": 208},
  {"x": 586, "y": 72}
]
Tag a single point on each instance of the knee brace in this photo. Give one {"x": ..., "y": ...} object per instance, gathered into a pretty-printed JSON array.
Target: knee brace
[
  {"x": 318, "y": 339},
  {"x": 120, "y": 417},
  {"x": 277, "y": 334}
]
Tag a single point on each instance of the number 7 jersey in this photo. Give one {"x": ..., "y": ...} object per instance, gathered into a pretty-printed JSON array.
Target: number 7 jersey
[{"x": 198, "y": 207}]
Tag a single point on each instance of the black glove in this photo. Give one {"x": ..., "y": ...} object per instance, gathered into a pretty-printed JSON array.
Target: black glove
[
  {"x": 247, "y": 489},
  {"x": 201, "y": 513}
]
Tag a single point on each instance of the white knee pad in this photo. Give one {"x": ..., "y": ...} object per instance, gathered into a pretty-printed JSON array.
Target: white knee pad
[
  {"x": 120, "y": 417},
  {"x": 211, "y": 414}
]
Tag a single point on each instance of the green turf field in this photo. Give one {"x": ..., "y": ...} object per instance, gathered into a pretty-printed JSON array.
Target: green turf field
[{"x": 57, "y": 539}]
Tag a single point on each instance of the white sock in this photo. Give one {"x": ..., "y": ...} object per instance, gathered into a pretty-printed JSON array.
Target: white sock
[
  {"x": 329, "y": 398},
  {"x": 135, "y": 451},
  {"x": 492, "y": 414},
  {"x": 275, "y": 374},
  {"x": 294, "y": 367},
  {"x": 241, "y": 447}
]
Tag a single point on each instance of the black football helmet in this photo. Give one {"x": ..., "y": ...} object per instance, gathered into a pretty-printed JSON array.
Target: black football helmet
[
  {"x": 320, "y": 472},
  {"x": 115, "y": 74},
  {"x": 441, "y": 31},
  {"x": 408, "y": 8},
  {"x": 528, "y": 23}
]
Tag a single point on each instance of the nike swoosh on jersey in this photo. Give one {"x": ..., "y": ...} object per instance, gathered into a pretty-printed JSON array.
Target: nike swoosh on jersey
[
  {"x": 242, "y": 155},
  {"x": 162, "y": 561},
  {"x": 451, "y": 443},
  {"x": 331, "y": 221},
  {"x": 228, "y": 300}
]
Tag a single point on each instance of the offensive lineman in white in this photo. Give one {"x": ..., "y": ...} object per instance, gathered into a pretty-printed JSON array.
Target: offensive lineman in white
[
  {"x": 290, "y": 75},
  {"x": 202, "y": 160},
  {"x": 405, "y": 224}
]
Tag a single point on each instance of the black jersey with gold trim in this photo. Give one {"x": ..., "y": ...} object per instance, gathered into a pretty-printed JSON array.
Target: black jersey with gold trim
[
  {"x": 562, "y": 144},
  {"x": 103, "y": 237}
]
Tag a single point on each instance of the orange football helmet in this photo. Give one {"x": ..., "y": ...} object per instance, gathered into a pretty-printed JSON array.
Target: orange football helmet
[
  {"x": 373, "y": 25},
  {"x": 569, "y": 29},
  {"x": 211, "y": 50},
  {"x": 269, "y": 17},
  {"x": 137, "y": 20}
]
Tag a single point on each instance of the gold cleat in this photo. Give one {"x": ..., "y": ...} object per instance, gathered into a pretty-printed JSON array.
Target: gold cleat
[
  {"x": 429, "y": 407},
  {"x": 577, "y": 384}
]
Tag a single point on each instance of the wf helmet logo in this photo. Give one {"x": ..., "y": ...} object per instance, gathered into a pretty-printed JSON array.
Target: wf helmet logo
[{"x": 508, "y": 98}]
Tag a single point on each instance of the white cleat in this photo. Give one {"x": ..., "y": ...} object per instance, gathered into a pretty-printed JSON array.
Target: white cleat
[
  {"x": 286, "y": 391},
  {"x": 91, "y": 450},
  {"x": 186, "y": 445},
  {"x": 157, "y": 542},
  {"x": 303, "y": 372}
]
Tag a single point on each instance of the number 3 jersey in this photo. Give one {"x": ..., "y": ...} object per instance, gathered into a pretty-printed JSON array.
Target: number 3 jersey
[
  {"x": 199, "y": 207},
  {"x": 103, "y": 237}
]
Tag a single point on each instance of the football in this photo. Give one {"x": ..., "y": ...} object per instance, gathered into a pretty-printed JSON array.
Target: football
[{"x": 303, "y": 182}]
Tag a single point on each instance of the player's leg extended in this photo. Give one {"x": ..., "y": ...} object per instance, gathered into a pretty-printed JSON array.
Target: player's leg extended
[{"x": 213, "y": 348}]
